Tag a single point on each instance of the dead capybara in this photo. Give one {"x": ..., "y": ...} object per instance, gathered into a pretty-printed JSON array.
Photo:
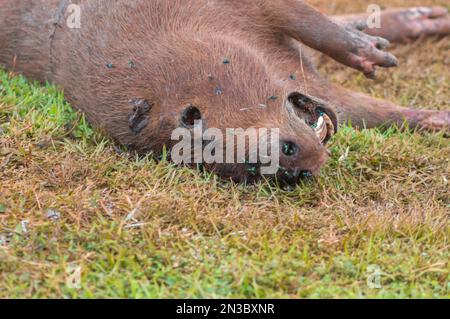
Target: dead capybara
[{"x": 141, "y": 69}]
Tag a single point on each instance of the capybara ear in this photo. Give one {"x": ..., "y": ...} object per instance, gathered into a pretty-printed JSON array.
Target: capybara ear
[{"x": 140, "y": 116}]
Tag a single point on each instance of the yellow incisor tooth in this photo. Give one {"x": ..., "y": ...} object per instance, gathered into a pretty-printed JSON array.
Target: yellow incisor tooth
[
  {"x": 325, "y": 128},
  {"x": 321, "y": 129}
]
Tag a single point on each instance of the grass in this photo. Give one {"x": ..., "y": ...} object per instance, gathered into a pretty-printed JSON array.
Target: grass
[{"x": 136, "y": 228}]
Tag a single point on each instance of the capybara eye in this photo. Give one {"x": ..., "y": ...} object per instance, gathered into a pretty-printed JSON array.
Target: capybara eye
[
  {"x": 289, "y": 149},
  {"x": 190, "y": 115}
]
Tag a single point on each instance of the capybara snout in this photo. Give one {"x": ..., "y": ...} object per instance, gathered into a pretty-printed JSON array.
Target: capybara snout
[
  {"x": 311, "y": 123},
  {"x": 304, "y": 125}
]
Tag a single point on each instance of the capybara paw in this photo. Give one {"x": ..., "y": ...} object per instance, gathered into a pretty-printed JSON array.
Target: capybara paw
[
  {"x": 405, "y": 25},
  {"x": 366, "y": 52}
]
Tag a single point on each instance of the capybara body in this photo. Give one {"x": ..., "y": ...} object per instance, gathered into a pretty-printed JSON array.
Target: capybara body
[{"x": 136, "y": 67}]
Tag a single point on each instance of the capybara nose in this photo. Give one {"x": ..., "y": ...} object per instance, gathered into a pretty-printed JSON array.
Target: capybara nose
[
  {"x": 294, "y": 176},
  {"x": 289, "y": 176},
  {"x": 306, "y": 174}
]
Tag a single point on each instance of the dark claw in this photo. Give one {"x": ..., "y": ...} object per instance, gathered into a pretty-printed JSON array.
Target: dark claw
[
  {"x": 382, "y": 43},
  {"x": 371, "y": 75},
  {"x": 360, "y": 25},
  {"x": 391, "y": 61}
]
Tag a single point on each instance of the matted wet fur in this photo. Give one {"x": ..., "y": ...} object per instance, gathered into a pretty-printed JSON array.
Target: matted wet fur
[{"x": 135, "y": 67}]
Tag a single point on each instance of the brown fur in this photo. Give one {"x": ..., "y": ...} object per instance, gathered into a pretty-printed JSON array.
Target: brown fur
[{"x": 171, "y": 53}]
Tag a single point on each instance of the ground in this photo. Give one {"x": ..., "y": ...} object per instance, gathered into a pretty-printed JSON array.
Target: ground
[{"x": 374, "y": 224}]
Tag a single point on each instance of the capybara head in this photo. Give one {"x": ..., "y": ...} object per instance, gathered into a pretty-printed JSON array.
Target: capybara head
[{"x": 236, "y": 119}]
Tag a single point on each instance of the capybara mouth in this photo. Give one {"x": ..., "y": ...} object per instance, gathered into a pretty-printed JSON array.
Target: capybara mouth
[
  {"x": 304, "y": 152},
  {"x": 317, "y": 114},
  {"x": 292, "y": 177}
]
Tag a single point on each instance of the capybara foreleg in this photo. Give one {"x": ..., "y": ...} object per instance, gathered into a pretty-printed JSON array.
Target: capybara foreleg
[
  {"x": 402, "y": 25},
  {"x": 345, "y": 44}
]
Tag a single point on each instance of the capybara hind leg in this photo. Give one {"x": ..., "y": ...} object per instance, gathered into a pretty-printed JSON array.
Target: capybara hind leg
[
  {"x": 366, "y": 112},
  {"x": 402, "y": 25}
]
